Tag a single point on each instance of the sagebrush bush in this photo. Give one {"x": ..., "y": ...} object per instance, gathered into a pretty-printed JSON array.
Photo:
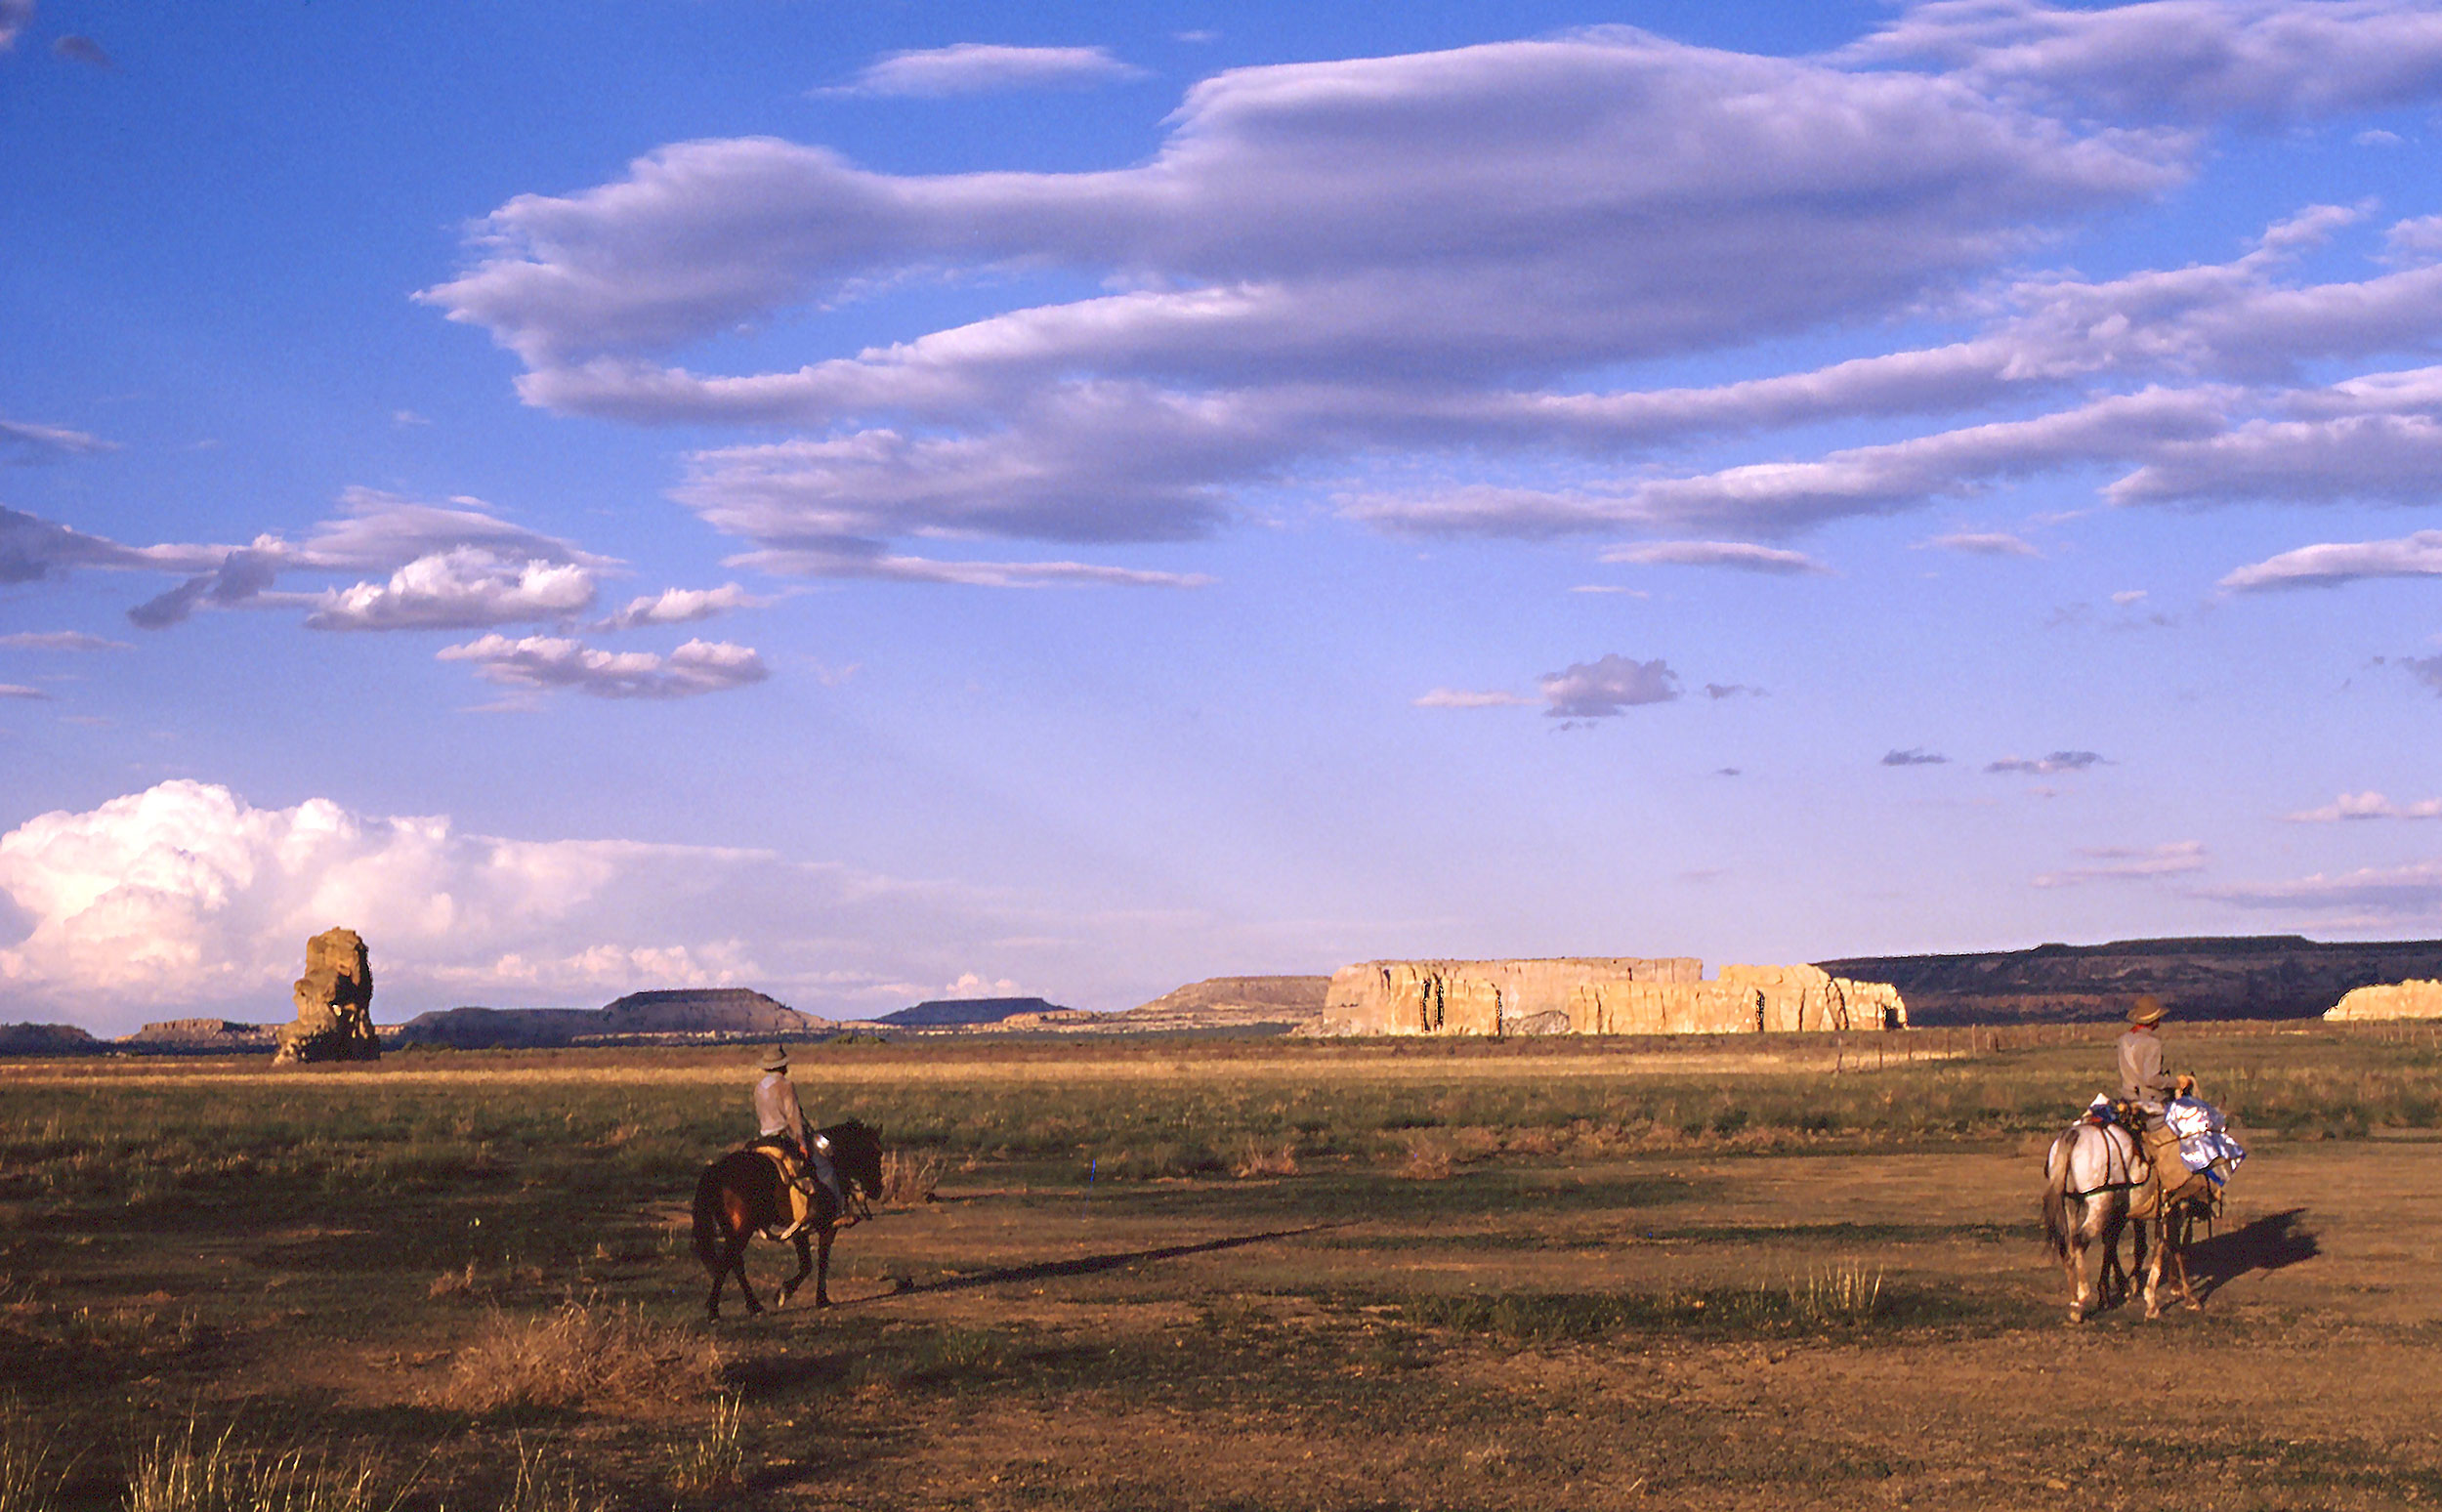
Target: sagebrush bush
[{"x": 578, "y": 1355}]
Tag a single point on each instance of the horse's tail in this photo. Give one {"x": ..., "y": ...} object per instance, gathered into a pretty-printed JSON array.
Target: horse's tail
[
  {"x": 2057, "y": 1166},
  {"x": 709, "y": 1239}
]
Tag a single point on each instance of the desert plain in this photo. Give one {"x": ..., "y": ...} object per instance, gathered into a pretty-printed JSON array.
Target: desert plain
[{"x": 1750, "y": 1271}]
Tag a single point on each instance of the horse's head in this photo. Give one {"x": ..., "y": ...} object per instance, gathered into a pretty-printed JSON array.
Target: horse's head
[{"x": 857, "y": 1153}]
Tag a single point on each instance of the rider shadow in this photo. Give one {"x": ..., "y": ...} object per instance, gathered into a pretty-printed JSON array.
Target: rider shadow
[
  {"x": 2273, "y": 1243},
  {"x": 1087, "y": 1265}
]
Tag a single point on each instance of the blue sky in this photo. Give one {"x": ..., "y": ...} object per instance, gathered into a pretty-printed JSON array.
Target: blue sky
[{"x": 873, "y": 502}]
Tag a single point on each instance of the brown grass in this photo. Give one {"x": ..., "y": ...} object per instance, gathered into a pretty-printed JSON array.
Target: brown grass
[
  {"x": 1265, "y": 1158},
  {"x": 909, "y": 1180},
  {"x": 579, "y": 1355}
]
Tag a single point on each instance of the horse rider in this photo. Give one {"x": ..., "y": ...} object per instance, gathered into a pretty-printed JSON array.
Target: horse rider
[
  {"x": 2147, "y": 1089},
  {"x": 782, "y": 1120}
]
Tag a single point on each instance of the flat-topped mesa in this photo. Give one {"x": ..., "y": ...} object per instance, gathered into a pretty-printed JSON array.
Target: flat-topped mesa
[
  {"x": 1599, "y": 996},
  {"x": 2398, "y": 1000}
]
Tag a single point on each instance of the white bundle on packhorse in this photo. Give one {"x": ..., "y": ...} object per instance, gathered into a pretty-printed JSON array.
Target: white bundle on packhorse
[{"x": 2099, "y": 1177}]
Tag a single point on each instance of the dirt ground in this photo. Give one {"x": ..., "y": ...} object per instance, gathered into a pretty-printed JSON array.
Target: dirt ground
[{"x": 1306, "y": 1341}]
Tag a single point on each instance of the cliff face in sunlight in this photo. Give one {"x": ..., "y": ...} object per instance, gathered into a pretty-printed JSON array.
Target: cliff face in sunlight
[{"x": 1599, "y": 996}]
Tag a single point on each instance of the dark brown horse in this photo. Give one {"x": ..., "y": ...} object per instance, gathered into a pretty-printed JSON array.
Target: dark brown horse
[{"x": 741, "y": 1194}]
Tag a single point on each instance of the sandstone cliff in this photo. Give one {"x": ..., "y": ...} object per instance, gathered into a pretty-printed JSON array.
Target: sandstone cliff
[
  {"x": 1598, "y": 995},
  {"x": 2399, "y": 1000}
]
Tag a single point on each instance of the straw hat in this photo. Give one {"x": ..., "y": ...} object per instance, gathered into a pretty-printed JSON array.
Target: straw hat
[
  {"x": 777, "y": 1060},
  {"x": 2147, "y": 1010}
]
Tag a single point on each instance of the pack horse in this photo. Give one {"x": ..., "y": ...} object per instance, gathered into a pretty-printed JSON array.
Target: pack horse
[{"x": 749, "y": 1191}]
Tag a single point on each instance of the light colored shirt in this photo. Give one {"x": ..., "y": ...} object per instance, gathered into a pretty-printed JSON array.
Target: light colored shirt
[
  {"x": 775, "y": 1107},
  {"x": 2142, "y": 1078}
]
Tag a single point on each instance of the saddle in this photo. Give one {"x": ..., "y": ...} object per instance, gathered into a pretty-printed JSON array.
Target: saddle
[
  {"x": 2157, "y": 1147},
  {"x": 797, "y": 1183}
]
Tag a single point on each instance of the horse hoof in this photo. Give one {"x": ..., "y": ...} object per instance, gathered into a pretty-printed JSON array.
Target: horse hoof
[{"x": 2077, "y": 1315}]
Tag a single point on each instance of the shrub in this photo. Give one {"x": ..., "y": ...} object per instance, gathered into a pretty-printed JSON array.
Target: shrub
[{"x": 578, "y": 1355}]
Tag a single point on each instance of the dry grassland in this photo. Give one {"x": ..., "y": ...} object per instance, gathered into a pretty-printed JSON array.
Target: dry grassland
[{"x": 1242, "y": 1275}]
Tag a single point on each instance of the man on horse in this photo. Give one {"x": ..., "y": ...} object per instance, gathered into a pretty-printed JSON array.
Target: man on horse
[
  {"x": 2146, "y": 1091},
  {"x": 784, "y": 1123}
]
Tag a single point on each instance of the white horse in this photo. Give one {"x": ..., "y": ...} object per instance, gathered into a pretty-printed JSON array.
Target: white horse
[{"x": 2096, "y": 1179}]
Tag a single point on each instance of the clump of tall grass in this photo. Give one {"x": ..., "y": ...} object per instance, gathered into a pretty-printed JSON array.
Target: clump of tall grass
[
  {"x": 542, "y": 1487},
  {"x": 1849, "y": 1297},
  {"x": 713, "y": 1459},
  {"x": 1430, "y": 1157},
  {"x": 1846, "y": 1295},
  {"x": 578, "y": 1355},
  {"x": 909, "y": 1180},
  {"x": 1257, "y": 1158},
  {"x": 30, "y": 1477},
  {"x": 187, "y": 1472}
]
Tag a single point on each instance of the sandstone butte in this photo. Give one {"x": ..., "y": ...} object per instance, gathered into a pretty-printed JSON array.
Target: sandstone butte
[
  {"x": 2399, "y": 1000},
  {"x": 1607, "y": 995},
  {"x": 334, "y": 1003}
]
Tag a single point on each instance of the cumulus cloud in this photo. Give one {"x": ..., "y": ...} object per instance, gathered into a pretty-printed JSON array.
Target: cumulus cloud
[
  {"x": 981, "y": 67},
  {"x": 553, "y": 662},
  {"x": 466, "y": 588},
  {"x": 61, "y": 640},
  {"x": 2333, "y": 563},
  {"x": 1913, "y": 756},
  {"x": 1987, "y": 543},
  {"x": 1742, "y": 554},
  {"x": 1464, "y": 698},
  {"x": 2118, "y": 863},
  {"x": 1607, "y": 686},
  {"x": 2368, "y": 805},
  {"x": 2044, "y": 765},
  {"x": 680, "y": 607},
  {"x": 15, "y": 16},
  {"x": 24, "y": 443}
]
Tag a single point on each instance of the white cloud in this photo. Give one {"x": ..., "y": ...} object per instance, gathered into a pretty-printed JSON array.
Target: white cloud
[
  {"x": 1984, "y": 543},
  {"x": 680, "y": 607},
  {"x": 61, "y": 640},
  {"x": 981, "y": 67},
  {"x": 2126, "y": 597},
  {"x": 23, "y": 441},
  {"x": 2272, "y": 61},
  {"x": 21, "y": 690},
  {"x": 2426, "y": 670},
  {"x": 2376, "y": 136},
  {"x": 551, "y": 661},
  {"x": 1463, "y": 698},
  {"x": 2118, "y": 863},
  {"x": 1742, "y": 554},
  {"x": 1913, "y": 756},
  {"x": 2044, "y": 765},
  {"x": 408, "y": 417},
  {"x": 2333, "y": 563},
  {"x": 467, "y": 588},
  {"x": 1608, "y": 686},
  {"x": 886, "y": 567},
  {"x": 15, "y": 16},
  {"x": 2370, "y": 895},
  {"x": 2368, "y": 805}
]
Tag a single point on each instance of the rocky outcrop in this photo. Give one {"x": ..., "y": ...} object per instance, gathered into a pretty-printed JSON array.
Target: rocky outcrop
[
  {"x": 2208, "y": 976},
  {"x": 1598, "y": 995},
  {"x": 706, "y": 1011},
  {"x": 1245, "y": 1005},
  {"x": 334, "y": 1003},
  {"x": 2398, "y": 1000},
  {"x": 203, "y": 1037}
]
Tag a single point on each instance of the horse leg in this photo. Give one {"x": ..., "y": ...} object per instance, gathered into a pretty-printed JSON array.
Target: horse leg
[
  {"x": 823, "y": 1270},
  {"x": 2153, "y": 1265},
  {"x": 2186, "y": 1231},
  {"x": 805, "y": 1268}
]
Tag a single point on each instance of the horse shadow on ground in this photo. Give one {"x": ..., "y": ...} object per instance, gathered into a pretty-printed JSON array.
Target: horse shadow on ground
[
  {"x": 1085, "y": 1265},
  {"x": 2273, "y": 1243}
]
